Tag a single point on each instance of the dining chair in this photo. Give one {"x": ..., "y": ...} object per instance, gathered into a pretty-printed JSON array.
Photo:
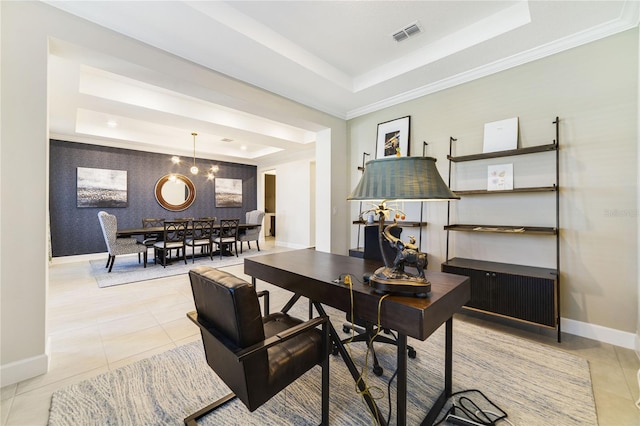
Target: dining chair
[
  {"x": 174, "y": 236},
  {"x": 150, "y": 239},
  {"x": 201, "y": 236},
  {"x": 227, "y": 235},
  {"x": 252, "y": 234},
  {"x": 255, "y": 355},
  {"x": 118, "y": 246}
]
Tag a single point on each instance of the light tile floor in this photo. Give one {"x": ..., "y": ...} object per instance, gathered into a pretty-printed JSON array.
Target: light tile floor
[{"x": 95, "y": 330}]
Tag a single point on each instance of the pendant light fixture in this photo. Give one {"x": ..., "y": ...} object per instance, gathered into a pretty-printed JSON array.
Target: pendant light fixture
[{"x": 194, "y": 168}]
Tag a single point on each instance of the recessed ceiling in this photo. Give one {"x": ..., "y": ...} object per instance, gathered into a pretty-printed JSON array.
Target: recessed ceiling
[{"x": 339, "y": 57}]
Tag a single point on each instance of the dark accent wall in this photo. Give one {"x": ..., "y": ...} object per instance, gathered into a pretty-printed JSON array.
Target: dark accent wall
[{"x": 77, "y": 231}]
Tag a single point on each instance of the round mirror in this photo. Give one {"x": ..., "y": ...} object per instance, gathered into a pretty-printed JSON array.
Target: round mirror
[{"x": 175, "y": 192}]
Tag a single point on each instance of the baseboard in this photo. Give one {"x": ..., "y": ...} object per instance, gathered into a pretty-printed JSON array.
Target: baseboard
[
  {"x": 597, "y": 332},
  {"x": 24, "y": 369},
  {"x": 79, "y": 258}
]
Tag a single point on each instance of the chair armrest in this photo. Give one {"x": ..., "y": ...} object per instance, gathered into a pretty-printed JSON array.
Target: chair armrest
[
  {"x": 265, "y": 294},
  {"x": 279, "y": 338}
]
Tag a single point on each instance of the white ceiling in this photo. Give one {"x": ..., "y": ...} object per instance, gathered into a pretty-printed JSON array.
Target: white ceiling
[{"x": 336, "y": 56}]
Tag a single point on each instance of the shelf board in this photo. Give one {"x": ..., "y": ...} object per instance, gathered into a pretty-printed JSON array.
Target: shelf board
[
  {"x": 402, "y": 224},
  {"x": 539, "y": 230},
  {"x": 508, "y": 153},
  {"x": 552, "y": 188}
]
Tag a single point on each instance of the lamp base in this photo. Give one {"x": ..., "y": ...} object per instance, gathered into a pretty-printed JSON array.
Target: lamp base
[{"x": 388, "y": 280}]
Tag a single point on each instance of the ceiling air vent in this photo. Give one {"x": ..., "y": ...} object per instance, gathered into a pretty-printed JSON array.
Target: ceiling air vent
[{"x": 408, "y": 31}]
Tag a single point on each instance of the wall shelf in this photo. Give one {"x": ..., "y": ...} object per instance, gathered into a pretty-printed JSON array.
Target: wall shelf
[{"x": 523, "y": 293}]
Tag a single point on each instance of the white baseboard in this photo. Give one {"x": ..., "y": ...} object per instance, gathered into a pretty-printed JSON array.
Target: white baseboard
[
  {"x": 597, "y": 332},
  {"x": 24, "y": 369},
  {"x": 79, "y": 258}
]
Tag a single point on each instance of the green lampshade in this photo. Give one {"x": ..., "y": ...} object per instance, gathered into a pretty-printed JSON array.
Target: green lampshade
[{"x": 402, "y": 178}]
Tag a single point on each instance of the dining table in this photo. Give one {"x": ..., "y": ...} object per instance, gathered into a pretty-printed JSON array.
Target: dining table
[{"x": 159, "y": 230}]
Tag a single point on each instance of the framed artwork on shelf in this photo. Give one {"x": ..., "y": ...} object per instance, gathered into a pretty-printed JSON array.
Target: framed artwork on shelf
[
  {"x": 101, "y": 188},
  {"x": 500, "y": 177},
  {"x": 501, "y": 135},
  {"x": 228, "y": 192},
  {"x": 393, "y": 138}
]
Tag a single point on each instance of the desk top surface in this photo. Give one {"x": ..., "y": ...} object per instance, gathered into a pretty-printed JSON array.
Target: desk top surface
[{"x": 312, "y": 273}]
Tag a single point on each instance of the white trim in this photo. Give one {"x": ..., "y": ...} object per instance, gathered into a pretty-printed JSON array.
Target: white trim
[
  {"x": 24, "y": 369},
  {"x": 597, "y": 332},
  {"x": 62, "y": 260}
]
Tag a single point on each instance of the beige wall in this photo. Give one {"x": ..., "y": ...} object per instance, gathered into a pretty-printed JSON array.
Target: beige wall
[
  {"x": 594, "y": 91},
  {"x": 27, "y": 31}
]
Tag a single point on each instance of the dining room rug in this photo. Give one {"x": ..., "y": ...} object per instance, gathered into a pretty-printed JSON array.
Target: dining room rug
[
  {"x": 126, "y": 269},
  {"x": 533, "y": 383}
]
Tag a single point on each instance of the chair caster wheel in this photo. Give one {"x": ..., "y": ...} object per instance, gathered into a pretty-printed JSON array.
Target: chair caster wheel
[
  {"x": 412, "y": 353},
  {"x": 377, "y": 370},
  {"x": 334, "y": 350},
  {"x": 346, "y": 329}
]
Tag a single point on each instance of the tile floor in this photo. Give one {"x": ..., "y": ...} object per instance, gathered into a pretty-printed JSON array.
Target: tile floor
[{"x": 95, "y": 330}]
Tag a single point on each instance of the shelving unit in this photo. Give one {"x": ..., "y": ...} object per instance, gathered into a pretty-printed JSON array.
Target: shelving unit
[{"x": 524, "y": 293}]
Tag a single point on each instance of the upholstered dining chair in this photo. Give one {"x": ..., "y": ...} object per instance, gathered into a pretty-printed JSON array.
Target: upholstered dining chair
[
  {"x": 255, "y": 356},
  {"x": 227, "y": 235},
  {"x": 118, "y": 246},
  {"x": 174, "y": 236},
  {"x": 201, "y": 236},
  {"x": 253, "y": 234}
]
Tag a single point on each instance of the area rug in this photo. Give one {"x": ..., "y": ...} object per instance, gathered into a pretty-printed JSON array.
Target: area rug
[
  {"x": 533, "y": 383},
  {"x": 126, "y": 269}
]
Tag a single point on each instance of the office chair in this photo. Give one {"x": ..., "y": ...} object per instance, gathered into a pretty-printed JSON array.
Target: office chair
[
  {"x": 255, "y": 356},
  {"x": 364, "y": 331}
]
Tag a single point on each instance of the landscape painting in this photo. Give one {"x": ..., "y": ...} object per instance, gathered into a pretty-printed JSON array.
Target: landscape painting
[
  {"x": 101, "y": 188},
  {"x": 228, "y": 192}
]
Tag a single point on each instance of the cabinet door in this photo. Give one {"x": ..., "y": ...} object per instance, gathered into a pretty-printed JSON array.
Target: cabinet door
[
  {"x": 481, "y": 289},
  {"x": 527, "y": 298}
]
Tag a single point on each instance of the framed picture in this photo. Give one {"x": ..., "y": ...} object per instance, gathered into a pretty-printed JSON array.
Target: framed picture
[
  {"x": 393, "y": 138},
  {"x": 501, "y": 135},
  {"x": 228, "y": 192},
  {"x": 101, "y": 188},
  {"x": 500, "y": 177}
]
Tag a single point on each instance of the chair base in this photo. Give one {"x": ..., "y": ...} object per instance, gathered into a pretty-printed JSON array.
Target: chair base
[
  {"x": 364, "y": 334},
  {"x": 192, "y": 419}
]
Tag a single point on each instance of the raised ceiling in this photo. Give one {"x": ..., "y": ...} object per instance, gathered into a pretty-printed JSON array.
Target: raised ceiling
[{"x": 339, "y": 57}]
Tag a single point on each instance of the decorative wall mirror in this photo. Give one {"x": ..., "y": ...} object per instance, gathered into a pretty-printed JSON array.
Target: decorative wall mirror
[{"x": 175, "y": 192}]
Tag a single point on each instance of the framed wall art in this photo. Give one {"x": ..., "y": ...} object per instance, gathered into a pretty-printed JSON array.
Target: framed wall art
[
  {"x": 101, "y": 187},
  {"x": 393, "y": 138},
  {"x": 228, "y": 192}
]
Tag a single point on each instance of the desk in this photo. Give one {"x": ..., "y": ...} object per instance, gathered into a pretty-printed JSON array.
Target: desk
[{"x": 310, "y": 273}]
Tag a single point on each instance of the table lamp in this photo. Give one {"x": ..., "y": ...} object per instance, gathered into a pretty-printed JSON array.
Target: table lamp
[{"x": 400, "y": 179}]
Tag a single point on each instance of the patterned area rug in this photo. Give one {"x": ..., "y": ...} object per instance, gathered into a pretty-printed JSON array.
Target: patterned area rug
[
  {"x": 126, "y": 269},
  {"x": 533, "y": 383}
]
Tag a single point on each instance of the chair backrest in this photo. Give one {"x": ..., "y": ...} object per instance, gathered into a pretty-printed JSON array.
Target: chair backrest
[
  {"x": 229, "y": 228},
  {"x": 175, "y": 231},
  {"x": 109, "y": 226},
  {"x": 230, "y": 307},
  {"x": 148, "y": 222},
  {"x": 201, "y": 229},
  {"x": 254, "y": 216}
]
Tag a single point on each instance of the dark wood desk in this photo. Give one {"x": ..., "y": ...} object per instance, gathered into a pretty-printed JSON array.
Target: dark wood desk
[{"x": 311, "y": 274}]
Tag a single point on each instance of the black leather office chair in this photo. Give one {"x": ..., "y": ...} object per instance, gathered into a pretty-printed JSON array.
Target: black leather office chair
[
  {"x": 365, "y": 331},
  {"x": 255, "y": 356}
]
